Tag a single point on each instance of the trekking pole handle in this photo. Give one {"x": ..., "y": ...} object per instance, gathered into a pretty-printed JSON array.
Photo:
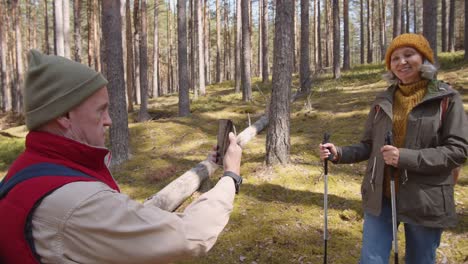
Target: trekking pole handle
[{"x": 326, "y": 139}]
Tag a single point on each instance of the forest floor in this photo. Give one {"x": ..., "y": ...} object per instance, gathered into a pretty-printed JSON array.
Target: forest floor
[{"x": 278, "y": 214}]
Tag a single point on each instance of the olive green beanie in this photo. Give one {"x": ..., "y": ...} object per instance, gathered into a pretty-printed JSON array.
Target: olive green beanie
[{"x": 55, "y": 85}]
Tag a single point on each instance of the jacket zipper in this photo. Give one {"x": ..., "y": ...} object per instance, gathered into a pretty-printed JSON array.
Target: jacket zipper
[{"x": 372, "y": 180}]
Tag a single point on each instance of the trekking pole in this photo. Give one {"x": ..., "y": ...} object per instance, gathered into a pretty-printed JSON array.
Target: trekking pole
[
  {"x": 389, "y": 141},
  {"x": 326, "y": 138}
]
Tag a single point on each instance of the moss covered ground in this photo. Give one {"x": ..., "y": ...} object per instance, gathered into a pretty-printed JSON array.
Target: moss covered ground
[{"x": 278, "y": 215}]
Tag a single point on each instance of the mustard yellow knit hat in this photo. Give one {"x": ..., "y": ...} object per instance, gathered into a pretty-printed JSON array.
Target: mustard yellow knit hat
[
  {"x": 55, "y": 85},
  {"x": 415, "y": 41}
]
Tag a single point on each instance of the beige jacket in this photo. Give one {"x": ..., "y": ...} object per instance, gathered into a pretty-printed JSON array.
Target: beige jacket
[{"x": 88, "y": 222}]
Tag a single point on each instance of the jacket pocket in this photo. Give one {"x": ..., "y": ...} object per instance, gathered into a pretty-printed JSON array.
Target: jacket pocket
[{"x": 416, "y": 199}]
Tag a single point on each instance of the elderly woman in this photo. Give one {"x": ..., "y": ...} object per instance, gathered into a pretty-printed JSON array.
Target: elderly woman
[{"x": 430, "y": 131}]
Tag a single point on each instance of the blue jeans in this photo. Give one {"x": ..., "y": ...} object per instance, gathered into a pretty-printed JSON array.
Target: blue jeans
[{"x": 377, "y": 237}]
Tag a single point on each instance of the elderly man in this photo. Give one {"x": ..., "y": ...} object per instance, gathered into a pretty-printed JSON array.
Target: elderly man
[{"x": 59, "y": 202}]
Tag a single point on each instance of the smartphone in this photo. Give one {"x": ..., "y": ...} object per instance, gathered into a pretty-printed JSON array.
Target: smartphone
[{"x": 225, "y": 126}]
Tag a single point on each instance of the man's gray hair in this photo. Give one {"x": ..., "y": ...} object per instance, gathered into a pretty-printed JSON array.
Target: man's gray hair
[{"x": 428, "y": 71}]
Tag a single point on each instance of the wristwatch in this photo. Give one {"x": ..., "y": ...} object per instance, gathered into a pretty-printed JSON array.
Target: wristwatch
[{"x": 237, "y": 179}]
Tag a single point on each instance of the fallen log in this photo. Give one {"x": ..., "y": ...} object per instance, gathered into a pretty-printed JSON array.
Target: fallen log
[{"x": 176, "y": 192}]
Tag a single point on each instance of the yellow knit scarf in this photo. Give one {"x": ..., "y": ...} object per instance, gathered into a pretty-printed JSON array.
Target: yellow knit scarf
[{"x": 406, "y": 97}]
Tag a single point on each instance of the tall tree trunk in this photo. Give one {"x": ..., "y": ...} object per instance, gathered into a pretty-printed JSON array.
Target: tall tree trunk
[
  {"x": 90, "y": 34},
  {"x": 238, "y": 58},
  {"x": 58, "y": 28},
  {"x": 265, "y": 70},
  {"x": 143, "y": 113},
  {"x": 415, "y": 17},
  {"x": 206, "y": 41},
  {"x": 278, "y": 136},
  {"x": 19, "y": 57},
  {"x": 66, "y": 28},
  {"x": 4, "y": 84},
  {"x": 246, "y": 53},
  {"x": 451, "y": 26},
  {"x": 156, "y": 51},
  {"x": 407, "y": 20},
  {"x": 199, "y": 45},
  {"x": 46, "y": 29},
  {"x": 136, "y": 48},
  {"x": 430, "y": 24},
  {"x": 346, "y": 54},
  {"x": 227, "y": 55},
  {"x": 192, "y": 51},
  {"x": 130, "y": 62},
  {"x": 294, "y": 25},
  {"x": 219, "y": 77},
  {"x": 383, "y": 34},
  {"x": 444, "y": 26},
  {"x": 396, "y": 17},
  {"x": 362, "y": 28},
  {"x": 260, "y": 27},
  {"x": 111, "y": 29},
  {"x": 370, "y": 30},
  {"x": 466, "y": 31},
  {"x": 336, "y": 39},
  {"x": 328, "y": 35},
  {"x": 77, "y": 29},
  {"x": 96, "y": 31},
  {"x": 304, "y": 70},
  {"x": 318, "y": 36},
  {"x": 184, "y": 100}
]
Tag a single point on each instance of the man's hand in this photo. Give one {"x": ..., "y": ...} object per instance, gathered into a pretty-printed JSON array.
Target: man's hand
[{"x": 232, "y": 158}]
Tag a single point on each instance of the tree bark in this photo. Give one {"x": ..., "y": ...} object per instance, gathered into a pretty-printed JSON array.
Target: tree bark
[
  {"x": 155, "y": 92},
  {"x": 66, "y": 28},
  {"x": 184, "y": 100},
  {"x": 77, "y": 30},
  {"x": 19, "y": 57},
  {"x": 206, "y": 41},
  {"x": 6, "y": 103},
  {"x": 201, "y": 50},
  {"x": 304, "y": 69},
  {"x": 444, "y": 26},
  {"x": 318, "y": 37},
  {"x": 451, "y": 26},
  {"x": 370, "y": 30},
  {"x": 246, "y": 53},
  {"x": 415, "y": 20},
  {"x": 111, "y": 29},
  {"x": 219, "y": 77},
  {"x": 46, "y": 29},
  {"x": 396, "y": 18},
  {"x": 430, "y": 24},
  {"x": 382, "y": 24},
  {"x": 238, "y": 47},
  {"x": 336, "y": 39},
  {"x": 130, "y": 62},
  {"x": 407, "y": 20},
  {"x": 136, "y": 49},
  {"x": 90, "y": 34},
  {"x": 466, "y": 31},
  {"x": 260, "y": 28},
  {"x": 346, "y": 54},
  {"x": 363, "y": 45},
  {"x": 278, "y": 136},
  {"x": 265, "y": 70},
  {"x": 143, "y": 113},
  {"x": 58, "y": 28}
]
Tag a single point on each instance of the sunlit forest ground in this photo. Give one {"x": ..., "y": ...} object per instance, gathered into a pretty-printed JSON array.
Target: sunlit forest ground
[{"x": 278, "y": 215}]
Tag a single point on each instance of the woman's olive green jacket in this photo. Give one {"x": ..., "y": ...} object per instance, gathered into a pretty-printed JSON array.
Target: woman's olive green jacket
[{"x": 434, "y": 145}]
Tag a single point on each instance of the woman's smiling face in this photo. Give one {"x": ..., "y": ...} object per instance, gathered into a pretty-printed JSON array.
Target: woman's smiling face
[{"x": 405, "y": 63}]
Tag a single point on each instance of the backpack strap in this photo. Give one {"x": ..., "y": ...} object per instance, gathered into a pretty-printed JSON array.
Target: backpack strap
[
  {"x": 443, "y": 109},
  {"x": 37, "y": 170}
]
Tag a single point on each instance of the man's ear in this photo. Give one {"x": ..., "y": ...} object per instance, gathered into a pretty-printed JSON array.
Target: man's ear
[{"x": 63, "y": 120}]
